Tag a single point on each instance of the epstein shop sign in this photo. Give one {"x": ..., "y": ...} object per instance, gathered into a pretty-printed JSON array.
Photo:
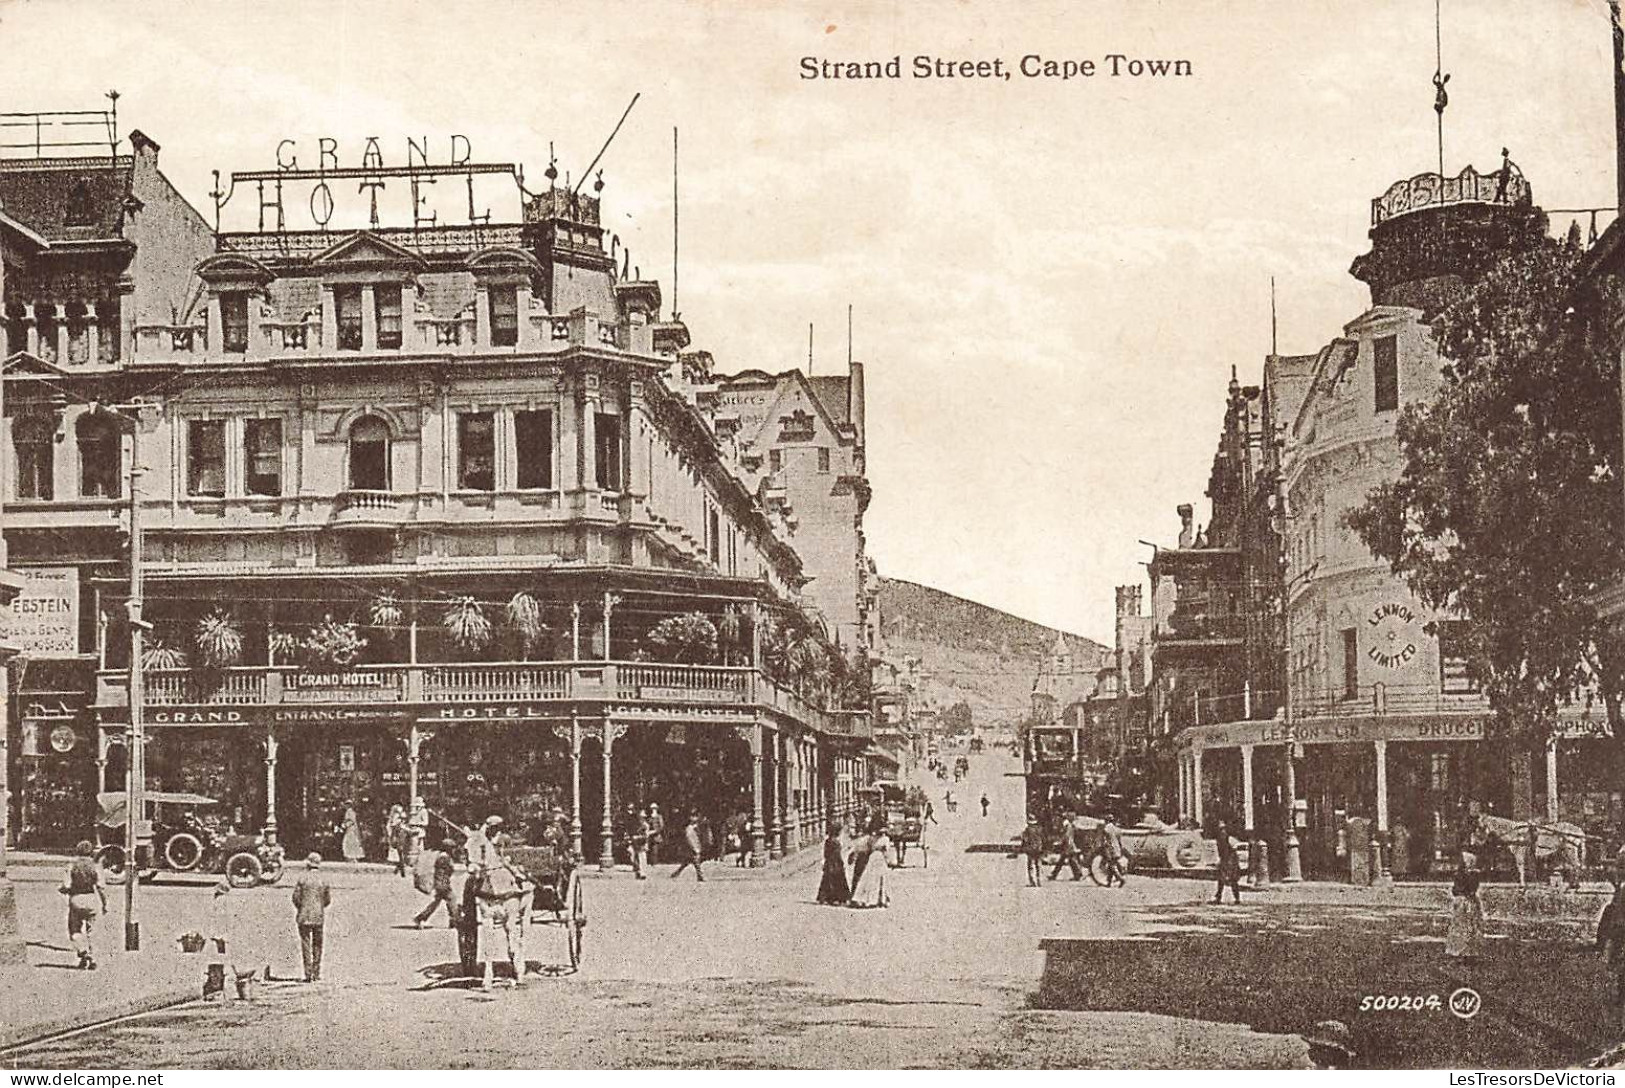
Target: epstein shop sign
[{"x": 44, "y": 619}]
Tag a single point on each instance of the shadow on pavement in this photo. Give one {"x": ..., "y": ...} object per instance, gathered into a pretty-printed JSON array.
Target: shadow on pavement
[{"x": 1282, "y": 969}]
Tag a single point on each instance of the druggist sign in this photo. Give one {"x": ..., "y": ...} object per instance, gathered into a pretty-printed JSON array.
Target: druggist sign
[{"x": 44, "y": 619}]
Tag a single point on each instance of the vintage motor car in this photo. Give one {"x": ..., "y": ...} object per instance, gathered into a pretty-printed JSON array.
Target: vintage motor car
[{"x": 183, "y": 841}]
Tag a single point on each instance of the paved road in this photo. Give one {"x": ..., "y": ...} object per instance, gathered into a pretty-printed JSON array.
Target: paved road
[{"x": 968, "y": 968}]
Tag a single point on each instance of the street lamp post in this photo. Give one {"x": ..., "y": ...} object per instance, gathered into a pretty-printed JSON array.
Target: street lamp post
[{"x": 135, "y": 762}]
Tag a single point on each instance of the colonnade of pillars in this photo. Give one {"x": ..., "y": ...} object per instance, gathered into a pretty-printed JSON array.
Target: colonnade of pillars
[
  {"x": 1191, "y": 799},
  {"x": 789, "y": 798}
]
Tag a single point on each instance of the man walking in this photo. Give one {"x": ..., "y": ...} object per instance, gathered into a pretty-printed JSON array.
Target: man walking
[
  {"x": 1032, "y": 847},
  {"x": 984, "y": 806},
  {"x": 1112, "y": 846},
  {"x": 87, "y": 901},
  {"x": 443, "y": 865},
  {"x": 1069, "y": 849},
  {"x": 1229, "y": 865},
  {"x": 311, "y": 897},
  {"x": 694, "y": 849},
  {"x": 638, "y": 841},
  {"x": 505, "y": 906},
  {"x": 657, "y": 833}
]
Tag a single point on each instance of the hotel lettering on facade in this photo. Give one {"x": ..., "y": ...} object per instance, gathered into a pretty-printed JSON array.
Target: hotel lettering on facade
[
  {"x": 437, "y": 511},
  {"x": 1277, "y": 635}
]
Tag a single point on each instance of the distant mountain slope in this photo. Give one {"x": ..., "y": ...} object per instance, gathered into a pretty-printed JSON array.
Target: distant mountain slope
[{"x": 973, "y": 652}]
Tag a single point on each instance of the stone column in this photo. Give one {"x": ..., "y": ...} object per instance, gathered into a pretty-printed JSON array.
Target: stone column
[
  {"x": 606, "y": 850},
  {"x": 103, "y": 743},
  {"x": 1294, "y": 865},
  {"x": 1551, "y": 779},
  {"x": 575, "y": 783},
  {"x": 1247, "y": 790},
  {"x": 1379, "y": 835},
  {"x": 270, "y": 783},
  {"x": 758, "y": 838},
  {"x": 786, "y": 836}
]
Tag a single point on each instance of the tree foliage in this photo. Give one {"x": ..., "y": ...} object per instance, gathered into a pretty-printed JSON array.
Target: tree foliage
[{"x": 1508, "y": 510}]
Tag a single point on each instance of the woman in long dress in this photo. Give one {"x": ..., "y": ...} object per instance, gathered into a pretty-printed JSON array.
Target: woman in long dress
[
  {"x": 1466, "y": 936},
  {"x": 869, "y": 886},
  {"x": 351, "y": 846},
  {"x": 833, "y": 889}
]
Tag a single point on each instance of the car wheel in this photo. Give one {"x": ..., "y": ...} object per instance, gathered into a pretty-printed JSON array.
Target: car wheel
[{"x": 183, "y": 851}]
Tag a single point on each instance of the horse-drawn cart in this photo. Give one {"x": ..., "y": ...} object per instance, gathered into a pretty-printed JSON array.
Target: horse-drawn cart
[{"x": 557, "y": 899}]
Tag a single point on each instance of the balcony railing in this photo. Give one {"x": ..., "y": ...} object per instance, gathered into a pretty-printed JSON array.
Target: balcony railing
[
  {"x": 1198, "y": 627},
  {"x": 494, "y": 682}
]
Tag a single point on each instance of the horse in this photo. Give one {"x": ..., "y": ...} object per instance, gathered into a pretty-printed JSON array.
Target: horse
[{"x": 1530, "y": 841}]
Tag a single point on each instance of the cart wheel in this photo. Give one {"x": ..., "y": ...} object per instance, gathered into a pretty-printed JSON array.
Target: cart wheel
[
  {"x": 1097, "y": 870},
  {"x": 273, "y": 870},
  {"x": 575, "y": 926}
]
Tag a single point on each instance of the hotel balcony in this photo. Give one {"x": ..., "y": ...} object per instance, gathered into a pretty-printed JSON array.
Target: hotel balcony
[
  {"x": 294, "y": 341},
  {"x": 1196, "y": 629},
  {"x": 472, "y": 691},
  {"x": 371, "y": 509}
]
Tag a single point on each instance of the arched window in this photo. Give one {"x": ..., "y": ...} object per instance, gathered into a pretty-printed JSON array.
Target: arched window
[
  {"x": 99, "y": 457},
  {"x": 369, "y": 455},
  {"x": 33, "y": 437}
]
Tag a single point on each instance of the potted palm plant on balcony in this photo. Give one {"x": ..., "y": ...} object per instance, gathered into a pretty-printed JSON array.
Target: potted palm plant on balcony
[
  {"x": 465, "y": 622},
  {"x": 688, "y": 639},
  {"x": 524, "y": 616},
  {"x": 219, "y": 641},
  {"x": 331, "y": 644},
  {"x": 159, "y": 654}
]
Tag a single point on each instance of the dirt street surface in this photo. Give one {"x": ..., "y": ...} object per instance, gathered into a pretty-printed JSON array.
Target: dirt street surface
[{"x": 968, "y": 968}]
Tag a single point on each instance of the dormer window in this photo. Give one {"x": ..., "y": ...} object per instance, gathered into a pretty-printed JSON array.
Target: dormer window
[
  {"x": 80, "y": 210},
  {"x": 347, "y": 316},
  {"x": 234, "y": 322},
  {"x": 504, "y": 316},
  {"x": 387, "y": 305}
]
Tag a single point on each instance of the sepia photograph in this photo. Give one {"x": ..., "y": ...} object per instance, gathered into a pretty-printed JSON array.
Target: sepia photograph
[{"x": 933, "y": 535}]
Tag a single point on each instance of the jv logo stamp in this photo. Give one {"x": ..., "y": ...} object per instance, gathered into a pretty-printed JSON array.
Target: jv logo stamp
[{"x": 1465, "y": 1002}]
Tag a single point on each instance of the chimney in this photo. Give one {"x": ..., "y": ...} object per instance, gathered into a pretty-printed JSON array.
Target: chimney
[{"x": 1186, "y": 515}]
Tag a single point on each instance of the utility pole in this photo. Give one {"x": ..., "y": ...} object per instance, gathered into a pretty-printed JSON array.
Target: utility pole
[
  {"x": 135, "y": 747},
  {"x": 12, "y": 947}
]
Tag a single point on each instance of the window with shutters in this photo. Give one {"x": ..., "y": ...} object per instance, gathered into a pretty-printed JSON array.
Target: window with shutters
[
  {"x": 1351, "y": 663},
  {"x": 234, "y": 322},
  {"x": 823, "y": 458},
  {"x": 1385, "y": 351},
  {"x": 533, "y": 446},
  {"x": 386, "y": 300},
  {"x": 369, "y": 455},
  {"x": 1455, "y": 670},
  {"x": 206, "y": 457},
  {"x": 476, "y": 451},
  {"x": 504, "y": 316},
  {"x": 100, "y": 459},
  {"x": 262, "y": 456},
  {"x": 347, "y": 316},
  {"x": 34, "y": 440},
  {"x": 611, "y": 476},
  {"x": 775, "y": 461}
]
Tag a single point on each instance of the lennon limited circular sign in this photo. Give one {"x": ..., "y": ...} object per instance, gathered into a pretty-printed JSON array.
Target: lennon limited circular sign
[
  {"x": 1394, "y": 632},
  {"x": 63, "y": 738}
]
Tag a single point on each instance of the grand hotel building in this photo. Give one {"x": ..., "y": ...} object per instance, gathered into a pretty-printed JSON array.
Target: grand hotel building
[{"x": 428, "y": 510}]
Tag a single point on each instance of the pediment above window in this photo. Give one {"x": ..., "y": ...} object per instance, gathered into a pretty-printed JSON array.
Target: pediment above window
[
  {"x": 233, "y": 272},
  {"x": 504, "y": 265},
  {"x": 365, "y": 251}
]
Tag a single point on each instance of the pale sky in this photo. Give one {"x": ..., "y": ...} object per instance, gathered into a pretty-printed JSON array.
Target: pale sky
[{"x": 1051, "y": 279}]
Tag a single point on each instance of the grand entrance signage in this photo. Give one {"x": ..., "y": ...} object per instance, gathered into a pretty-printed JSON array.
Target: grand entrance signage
[{"x": 293, "y": 715}]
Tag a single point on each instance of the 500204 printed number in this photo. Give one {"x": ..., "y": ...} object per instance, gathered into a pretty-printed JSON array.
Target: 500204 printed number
[{"x": 1401, "y": 1003}]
